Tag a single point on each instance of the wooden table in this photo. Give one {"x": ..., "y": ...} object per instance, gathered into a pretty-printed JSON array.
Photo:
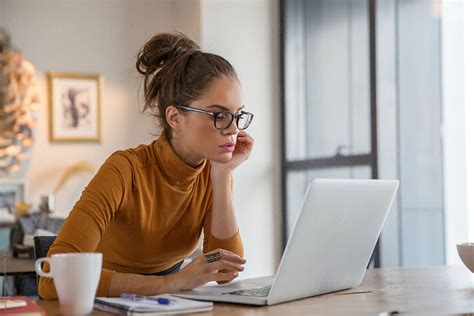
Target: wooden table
[{"x": 429, "y": 291}]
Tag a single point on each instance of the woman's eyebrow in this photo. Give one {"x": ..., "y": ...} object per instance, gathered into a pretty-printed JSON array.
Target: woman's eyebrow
[{"x": 221, "y": 107}]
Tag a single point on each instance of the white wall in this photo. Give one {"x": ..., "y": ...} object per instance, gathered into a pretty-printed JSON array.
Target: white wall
[
  {"x": 2, "y": 10},
  {"x": 246, "y": 33},
  {"x": 469, "y": 108},
  {"x": 90, "y": 36}
]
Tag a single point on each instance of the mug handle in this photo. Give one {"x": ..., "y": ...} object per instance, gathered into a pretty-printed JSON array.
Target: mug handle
[{"x": 39, "y": 269}]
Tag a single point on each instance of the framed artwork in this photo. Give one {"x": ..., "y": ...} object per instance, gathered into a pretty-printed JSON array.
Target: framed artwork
[
  {"x": 75, "y": 102},
  {"x": 11, "y": 194}
]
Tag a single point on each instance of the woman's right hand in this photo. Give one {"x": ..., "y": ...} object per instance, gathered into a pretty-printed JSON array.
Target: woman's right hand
[{"x": 199, "y": 271}]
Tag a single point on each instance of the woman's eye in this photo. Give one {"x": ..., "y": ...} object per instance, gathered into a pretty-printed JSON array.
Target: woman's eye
[{"x": 220, "y": 117}]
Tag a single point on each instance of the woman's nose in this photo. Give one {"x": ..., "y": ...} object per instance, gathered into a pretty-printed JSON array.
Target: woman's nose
[{"x": 232, "y": 129}]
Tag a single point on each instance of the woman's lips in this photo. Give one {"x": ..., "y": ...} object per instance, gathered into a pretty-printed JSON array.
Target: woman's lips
[{"x": 229, "y": 147}]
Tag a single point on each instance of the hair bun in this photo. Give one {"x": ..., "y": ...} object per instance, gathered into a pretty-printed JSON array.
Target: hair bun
[{"x": 162, "y": 48}]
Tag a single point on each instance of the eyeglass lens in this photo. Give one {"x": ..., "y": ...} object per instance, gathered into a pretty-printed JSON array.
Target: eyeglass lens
[{"x": 224, "y": 119}]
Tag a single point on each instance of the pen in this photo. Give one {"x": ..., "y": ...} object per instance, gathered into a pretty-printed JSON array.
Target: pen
[{"x": 159, "y": 300}]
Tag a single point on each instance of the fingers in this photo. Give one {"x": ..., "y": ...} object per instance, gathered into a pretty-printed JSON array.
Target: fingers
[
  {"x": 228, "y": 276},
  {"x": 223, "y": 264},
  {"x": 244, "y": 145},
  {"x": 233, "y": 258},
  {"x": 245, "y": 137},
  {"x": 244, "y": 133},
  {"x": 228, "y": 256},
  {"x": 225, "y": 269}
]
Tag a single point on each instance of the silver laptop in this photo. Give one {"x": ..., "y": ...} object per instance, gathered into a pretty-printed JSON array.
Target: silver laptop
[{"x": 329, "y": 249}]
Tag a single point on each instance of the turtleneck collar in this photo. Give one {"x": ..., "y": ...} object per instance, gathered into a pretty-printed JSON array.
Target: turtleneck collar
[{"x": 173, "y": 167}]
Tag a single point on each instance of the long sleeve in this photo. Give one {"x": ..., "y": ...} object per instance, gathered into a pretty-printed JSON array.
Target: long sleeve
[
  {"x": 88, "y": 220},
  {"x": 233, "y": 244}
]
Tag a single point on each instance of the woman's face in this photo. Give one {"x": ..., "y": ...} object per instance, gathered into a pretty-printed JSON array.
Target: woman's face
[{"x": 197, "y": 137}]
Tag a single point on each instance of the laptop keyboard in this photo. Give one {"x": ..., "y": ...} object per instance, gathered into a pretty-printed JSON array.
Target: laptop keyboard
[{"x": 260, "y": 292}]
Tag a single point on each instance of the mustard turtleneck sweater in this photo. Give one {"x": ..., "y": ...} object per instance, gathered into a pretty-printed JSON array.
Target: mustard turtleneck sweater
[{"x": 144, "y": 211}]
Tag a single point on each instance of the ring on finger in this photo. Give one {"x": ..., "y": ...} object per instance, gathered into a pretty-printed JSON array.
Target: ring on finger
[{"x": 211, "y": 257}]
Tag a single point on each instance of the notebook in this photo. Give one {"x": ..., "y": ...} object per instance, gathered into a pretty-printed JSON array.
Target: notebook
[
  {"x": 6, "y": 303},
  {"x": 19, "y": 305},
  {"x": 121, "y": 306}
]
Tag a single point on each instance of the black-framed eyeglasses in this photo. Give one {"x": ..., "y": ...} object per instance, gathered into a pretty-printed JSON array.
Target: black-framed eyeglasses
[{"x": 223, "y": 119}]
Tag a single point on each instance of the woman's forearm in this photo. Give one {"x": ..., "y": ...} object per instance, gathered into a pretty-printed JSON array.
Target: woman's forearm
[
  {"x": 142, "y": 284},
  {"x": 223, "y": 222}
]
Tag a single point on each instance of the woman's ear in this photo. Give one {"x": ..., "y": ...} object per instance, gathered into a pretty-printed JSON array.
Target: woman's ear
[{"x": 173, "y": 117}]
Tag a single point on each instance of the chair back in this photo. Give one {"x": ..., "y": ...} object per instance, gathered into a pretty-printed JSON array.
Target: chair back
[{"x": 42, "y": 245}]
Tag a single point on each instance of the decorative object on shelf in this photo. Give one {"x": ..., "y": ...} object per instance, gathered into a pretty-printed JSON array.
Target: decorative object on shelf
[
  {"x": 11, "y": 195},
  {"x": 74, "y": 111},
  {"x": 19, "y": 99}
]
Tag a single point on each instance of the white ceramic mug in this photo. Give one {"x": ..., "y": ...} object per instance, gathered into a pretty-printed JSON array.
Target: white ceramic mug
[
  {"x": 466, "y": 253},
  {"x": 76, "y": 277}
]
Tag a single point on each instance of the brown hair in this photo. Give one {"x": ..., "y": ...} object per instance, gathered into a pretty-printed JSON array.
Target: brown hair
[{"x": 176, "y": 71}]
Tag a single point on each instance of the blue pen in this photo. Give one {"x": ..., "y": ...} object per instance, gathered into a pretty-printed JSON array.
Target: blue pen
[
  {"x": 159, "y": 300},
  {"x": 164, "y": 301}
]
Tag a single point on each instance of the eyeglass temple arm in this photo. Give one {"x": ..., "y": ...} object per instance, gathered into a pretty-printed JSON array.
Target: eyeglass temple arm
[{"x": 187, "y": 108}]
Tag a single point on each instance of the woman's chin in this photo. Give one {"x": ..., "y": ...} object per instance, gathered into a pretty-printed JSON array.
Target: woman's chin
[{"x": 222, "y": 158}]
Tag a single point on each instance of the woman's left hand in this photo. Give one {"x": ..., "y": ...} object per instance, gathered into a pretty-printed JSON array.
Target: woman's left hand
[{"x": 243, "y": 148}]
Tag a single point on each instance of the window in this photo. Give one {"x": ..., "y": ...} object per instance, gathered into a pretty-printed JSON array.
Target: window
[{"x": 360, "y": 102}]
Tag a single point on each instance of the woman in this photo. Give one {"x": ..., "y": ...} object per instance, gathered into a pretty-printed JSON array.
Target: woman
[{"x": 146, "y": 207}]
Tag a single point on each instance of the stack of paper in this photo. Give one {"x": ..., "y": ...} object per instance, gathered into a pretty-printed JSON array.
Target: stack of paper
[{"x": 127, "y": 307}]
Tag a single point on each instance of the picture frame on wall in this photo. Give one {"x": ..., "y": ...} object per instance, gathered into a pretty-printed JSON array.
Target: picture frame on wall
[
  {"x": 11, "y": 194},
  {"x": 75, "y": 101}
]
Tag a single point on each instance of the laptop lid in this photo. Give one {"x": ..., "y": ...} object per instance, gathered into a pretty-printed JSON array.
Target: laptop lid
[{"x": 334, "y": 237}]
